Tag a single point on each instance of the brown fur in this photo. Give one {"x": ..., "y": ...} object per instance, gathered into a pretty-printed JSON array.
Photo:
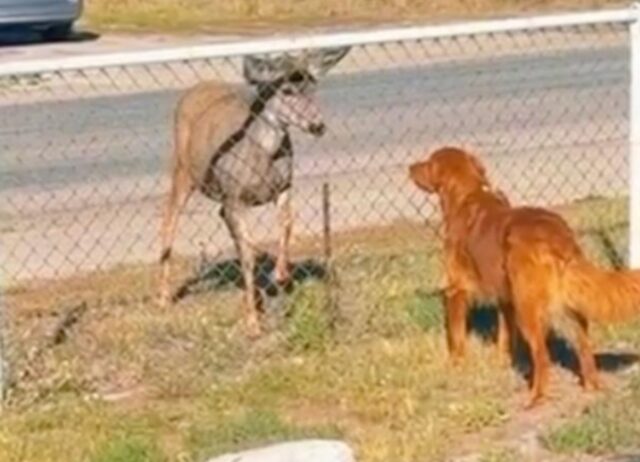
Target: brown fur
[
  {"x": 223, "y": 109},
  {"x": 233, "y": 145},
  {"x": 474, "y": 221},
  {"x": 206, "y": 115},
  {"x": 526, "y": 259}
]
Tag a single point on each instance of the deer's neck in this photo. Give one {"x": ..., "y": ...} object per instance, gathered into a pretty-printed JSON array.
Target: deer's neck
[{"x": 267, "y": 132}]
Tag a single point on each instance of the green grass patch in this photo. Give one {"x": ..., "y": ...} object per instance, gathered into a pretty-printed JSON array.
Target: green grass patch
[
  {"x": 610, "y": 426},
  {"x": 425, "y": 310},
  {"x": 187, "y": 383},
  {"x": 309, "y": 318},
  {"x": 129, "y": 449},
  {"x": 253, "y": 428}
]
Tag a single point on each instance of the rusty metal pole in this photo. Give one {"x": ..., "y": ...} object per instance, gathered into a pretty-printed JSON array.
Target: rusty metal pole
[
  {"x": 326, "y": 223},
  {"x": 331, "y": 281},
  {"x": 4, "y": 354}
]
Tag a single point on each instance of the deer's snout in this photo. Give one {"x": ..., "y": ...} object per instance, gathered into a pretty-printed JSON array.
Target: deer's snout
[{"x": 317, "y": 129}]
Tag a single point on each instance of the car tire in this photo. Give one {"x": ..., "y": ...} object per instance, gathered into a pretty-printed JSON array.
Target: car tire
[{"x": 58, "y": 32}]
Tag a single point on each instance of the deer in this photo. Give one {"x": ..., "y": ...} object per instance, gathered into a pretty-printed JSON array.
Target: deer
[{"x": 233, "y": 146}]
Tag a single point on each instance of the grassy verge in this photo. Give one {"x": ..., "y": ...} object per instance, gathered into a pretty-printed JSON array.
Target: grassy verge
[
  {"x": 133, "y": 382},
  {"x": 611, "y": 426},
  {"x": 218, "y": 15}
]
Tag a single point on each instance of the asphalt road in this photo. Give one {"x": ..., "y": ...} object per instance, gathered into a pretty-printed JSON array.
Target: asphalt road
[{"x": 81, "y": 179}]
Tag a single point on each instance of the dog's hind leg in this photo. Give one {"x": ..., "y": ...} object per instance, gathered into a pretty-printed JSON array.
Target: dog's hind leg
[
  {"x": 532, "y": 299},
  {"x": 534, "y": 334},
  {"x": 589, "y": 377}
]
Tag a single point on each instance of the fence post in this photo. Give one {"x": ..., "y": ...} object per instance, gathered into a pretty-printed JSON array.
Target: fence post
[
  {"x": 634, "y": 141},
  {"x": 331, "y": 281},
  {"x": 4, "y": 354}
]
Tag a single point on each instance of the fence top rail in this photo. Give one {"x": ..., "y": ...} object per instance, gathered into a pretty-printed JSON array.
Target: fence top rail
[{"x": 323, "y": 40}]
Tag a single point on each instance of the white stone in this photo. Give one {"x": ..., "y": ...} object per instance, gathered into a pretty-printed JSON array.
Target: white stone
[{"x": 294, "y": 451}]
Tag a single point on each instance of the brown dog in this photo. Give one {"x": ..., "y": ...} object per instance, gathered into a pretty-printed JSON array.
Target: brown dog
[
  {"x": 524, "y": 259},
  {"x": 475, "y": 218}
]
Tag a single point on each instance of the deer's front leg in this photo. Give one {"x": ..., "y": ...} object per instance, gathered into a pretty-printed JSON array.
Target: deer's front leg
[
  {"x": 233, "y": 217},
  {"x": 285, "y": 225},
  {"x": 456, "y": 306}
]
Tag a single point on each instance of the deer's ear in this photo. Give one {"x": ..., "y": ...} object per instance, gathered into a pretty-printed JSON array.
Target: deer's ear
[
  {"x": 258, "y": 69},
  {"x": 478, "y": 166},
  {"x": 502, "y": 196},
  {"x": 319, "y": 62}
]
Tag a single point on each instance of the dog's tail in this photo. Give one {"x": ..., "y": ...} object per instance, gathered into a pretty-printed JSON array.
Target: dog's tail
[{"x": 600, "y": 294}]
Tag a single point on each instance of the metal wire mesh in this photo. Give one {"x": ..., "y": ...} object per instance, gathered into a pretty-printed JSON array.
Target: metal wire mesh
[
  {"x": 86, "y": 152},
  {"x": 87, "y": 162}
]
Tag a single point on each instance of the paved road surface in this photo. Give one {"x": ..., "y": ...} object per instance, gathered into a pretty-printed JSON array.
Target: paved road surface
[{"x": 81, "y": 180}]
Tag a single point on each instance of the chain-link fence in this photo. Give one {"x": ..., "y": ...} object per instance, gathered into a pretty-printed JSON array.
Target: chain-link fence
[{"x": 87, "y": 164}]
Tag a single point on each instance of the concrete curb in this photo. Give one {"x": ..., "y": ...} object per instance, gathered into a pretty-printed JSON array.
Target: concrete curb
[{"x": 102, "y": 82}]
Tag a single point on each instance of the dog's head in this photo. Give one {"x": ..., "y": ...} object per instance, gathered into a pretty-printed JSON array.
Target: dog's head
[{"x": 448, "y": 167}]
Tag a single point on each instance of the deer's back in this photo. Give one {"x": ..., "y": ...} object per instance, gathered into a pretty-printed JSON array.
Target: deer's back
[
  {"x": 221, "y": 150},
  {"x": 203, "y": 95},
  {"x": 206, "y": 116}
]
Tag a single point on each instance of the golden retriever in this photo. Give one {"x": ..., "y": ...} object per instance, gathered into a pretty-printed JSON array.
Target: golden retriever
[{"x": 525, "y": 260}]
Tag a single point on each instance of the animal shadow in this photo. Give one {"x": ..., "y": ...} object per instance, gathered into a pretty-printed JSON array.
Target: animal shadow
[
  {"x": 483, "y": 322},
  {"x": 563, "y": 354},
  {"x": 227, "y": 274}
]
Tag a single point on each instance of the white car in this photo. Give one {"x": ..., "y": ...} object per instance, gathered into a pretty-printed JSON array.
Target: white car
[{"x": 54, "y": 18}]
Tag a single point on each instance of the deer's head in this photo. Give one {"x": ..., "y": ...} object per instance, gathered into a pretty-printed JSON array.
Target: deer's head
[{"x": 286, "y": 87}]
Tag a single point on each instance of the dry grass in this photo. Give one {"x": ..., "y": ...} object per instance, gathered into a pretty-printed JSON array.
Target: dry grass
[
  {"x": 228, "y": 15},
  {"x": 604, "y": 428},
  {"x": 136, "y": 383}
]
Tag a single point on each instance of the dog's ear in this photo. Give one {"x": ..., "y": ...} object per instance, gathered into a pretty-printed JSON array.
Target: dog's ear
[
  {"x": 420, "y": 174},
  {"x": 502, "y": 196},
  {"x": 478, "y": 166}
]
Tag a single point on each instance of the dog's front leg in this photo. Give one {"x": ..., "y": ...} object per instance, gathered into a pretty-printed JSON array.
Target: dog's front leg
[
  {"x": 456, "y": 301},
  {"x": 507, "y": 333}
]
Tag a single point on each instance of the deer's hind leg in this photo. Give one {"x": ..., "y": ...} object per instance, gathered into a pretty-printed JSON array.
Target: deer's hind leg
[{"x": 182, "y": 187}]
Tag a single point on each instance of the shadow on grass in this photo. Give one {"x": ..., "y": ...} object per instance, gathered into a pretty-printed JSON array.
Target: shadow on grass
[
  {"x": 563, "y": 354},
  {"x": 483, "y": 321},
  {"x": 228, "y": 274}
]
